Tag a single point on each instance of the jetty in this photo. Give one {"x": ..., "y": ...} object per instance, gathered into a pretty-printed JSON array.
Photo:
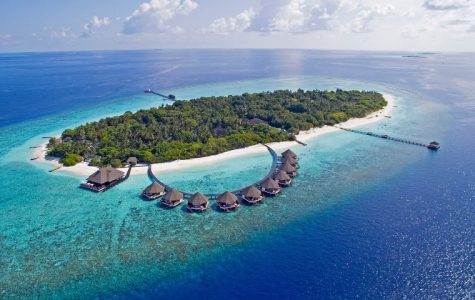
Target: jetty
[
  {"x": 169, "y": 97},
  {"x": 432, "y": 145}
]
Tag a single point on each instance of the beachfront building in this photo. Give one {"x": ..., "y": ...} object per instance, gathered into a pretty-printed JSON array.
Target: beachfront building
[
  {"x": 289, "y": 153},
  {"x": 172, "y": 199},
  {"x": 270, "y": 187},
  {"x": 289, "y": 169},
  {"x": 103, "y": 179},
  {"x": 252, "y": 195},
  {"x": 198, "y": 202},
  {"x": 153, "y": 191},
  {"x": 227, "y": 201},
  {"x": 283, "y": 179}
]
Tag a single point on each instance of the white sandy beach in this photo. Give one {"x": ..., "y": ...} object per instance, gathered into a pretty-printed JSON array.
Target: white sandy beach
[{"x": 83, "y": 170}]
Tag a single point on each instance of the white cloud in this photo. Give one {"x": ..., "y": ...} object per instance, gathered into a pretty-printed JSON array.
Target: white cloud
[
  {"x": 153, "y": 16},
  {"x": 239, "y": 23},
  {"x": 366, "y": 15},
  {"x": 63, "y": 33},
  {"x": 4, "y": 37},
  {"x": 446, "y": 4},
  {"x": 94, "y": 24}
]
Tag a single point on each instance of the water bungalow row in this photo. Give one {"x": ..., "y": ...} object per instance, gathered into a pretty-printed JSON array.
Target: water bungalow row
[{"x": 271, "y": 186}]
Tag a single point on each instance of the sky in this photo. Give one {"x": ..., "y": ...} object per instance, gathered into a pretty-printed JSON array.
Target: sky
[{"x": 403, "y": 25}]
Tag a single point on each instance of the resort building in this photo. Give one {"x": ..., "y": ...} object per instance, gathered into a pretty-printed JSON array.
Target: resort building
[
  {"x": 227, "y": 201},
  {"x": 292, "y": 161},
  {"x": 289, "y": 153},
  {"x": 154, "y": 191},
  {"x": 270, "y": 187},
  {"x": 252, "y": 195},
  {"x": 103, "y": 179},
  {"x": 289, "y": 169},
  {"x": 172, "y": 199},
  {"x": 198, "y": 202},
  {"x": 283, "y": 179}
]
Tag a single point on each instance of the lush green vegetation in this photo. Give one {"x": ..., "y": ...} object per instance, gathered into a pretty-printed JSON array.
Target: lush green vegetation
[{"x": 210, "y": 125}]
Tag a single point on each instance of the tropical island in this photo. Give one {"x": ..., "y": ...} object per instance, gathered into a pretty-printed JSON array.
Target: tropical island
[{"x": 209, "y": 125}]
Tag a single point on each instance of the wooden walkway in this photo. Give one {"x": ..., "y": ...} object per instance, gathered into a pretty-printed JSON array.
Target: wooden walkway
[
  {"x": 274, "y": 166},
  {"x": 385, "y": 136},
  {"x": 158, "y": 94}
]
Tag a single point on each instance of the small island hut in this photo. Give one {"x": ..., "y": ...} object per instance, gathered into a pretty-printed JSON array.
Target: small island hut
[
  {"x": 283, "y": 179},
  {"x": 292, "y": 161},
  {"x": 289, "y": 153},
  {"x": 289, "y": 169},
  {"x": 198, "y": 203},
  {"x": 132, "y": 161},
  {"x": 270, "y": 187},
  {"x": 153, "y": 191},
  {"x": 172, "y": 198},
  {"x": 227, "y": 201},
  {"x": 252, "y": 195}
]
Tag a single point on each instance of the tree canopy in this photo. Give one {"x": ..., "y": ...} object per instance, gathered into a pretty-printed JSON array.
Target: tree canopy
[{"x": 210, "y": 125}]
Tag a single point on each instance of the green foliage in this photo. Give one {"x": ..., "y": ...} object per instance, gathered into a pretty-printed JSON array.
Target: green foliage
[
  {"x": 71, "y": 159},
  {"x": 212, "y": 125},
  {"x": 116, "y": 163}
]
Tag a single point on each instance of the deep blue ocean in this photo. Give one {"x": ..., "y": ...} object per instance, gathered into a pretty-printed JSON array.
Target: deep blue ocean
[{"x": 366, "y": 218}]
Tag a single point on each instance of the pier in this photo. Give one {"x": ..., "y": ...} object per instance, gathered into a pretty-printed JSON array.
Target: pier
[
  {"x": 432, "y": 145},
  {"x": 169, "y": 97},
  {"x": 272, "y": 171}
]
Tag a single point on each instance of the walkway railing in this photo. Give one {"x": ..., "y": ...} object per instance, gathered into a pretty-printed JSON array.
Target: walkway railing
[{"x": 274, "y": 166}]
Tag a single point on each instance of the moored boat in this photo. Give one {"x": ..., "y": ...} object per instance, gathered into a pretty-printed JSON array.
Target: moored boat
[{"x": 433, "y": 145}]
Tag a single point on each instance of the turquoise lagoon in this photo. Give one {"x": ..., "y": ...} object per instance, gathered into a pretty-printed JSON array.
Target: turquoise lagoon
[{"x": 63, "y": 242}]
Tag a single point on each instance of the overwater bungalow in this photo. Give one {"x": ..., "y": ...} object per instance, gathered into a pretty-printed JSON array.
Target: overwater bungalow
[
  {"x": 198, "y": 202},
  {"x": 289, "y": 153},
  {"x": 289, "y": 169},
  {"x": 153, "y": 191},
  {"x": 227, "y": 201},
  {"x": 252, "y": 195},
  {"x": 103, "y": 179},
  {"x": 283, "y": 179},
  {"x": 270, "y": 187},
  {"x": 292, "y": 161},
  {"x": 172, "y": 199}
]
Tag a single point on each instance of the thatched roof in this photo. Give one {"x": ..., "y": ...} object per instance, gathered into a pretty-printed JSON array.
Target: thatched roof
[
  {"x": 289, "y": 159},
  {"x": 105, "y": 175},
  {"x": 198, "y": 199},
  {"x": 227, "y": 198},
  {"x": 290, "y": 153},
  {"x": 281, "y": 176},
  {"x": 132, "y": 160},
  {"x": 269, "y": 183},
  {"x": 154, "y": 188},
  {"x": 173, "y": 195},
  {"x": 287, "y": 167},
  {"x": 251, "y": 192}
]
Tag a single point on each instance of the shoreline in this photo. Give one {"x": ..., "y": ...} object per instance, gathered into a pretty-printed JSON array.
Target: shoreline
[{"x": 83, "y": 170}]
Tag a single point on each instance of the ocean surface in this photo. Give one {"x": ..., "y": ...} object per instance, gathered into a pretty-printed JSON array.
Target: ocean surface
[{"x": 366, "y": 218}]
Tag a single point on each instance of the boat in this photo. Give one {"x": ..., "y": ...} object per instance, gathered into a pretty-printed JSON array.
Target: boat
[
  {"x": 172, "y": 199},
  {"x": 270, "y": 187},
  {"x": 252, "y": 195},
  {"x": 385, "y": 136},
  {"x": 227, "y": 201},
  {"x": 433, "y": 145},
  {"x": 198, "y": 203}
]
